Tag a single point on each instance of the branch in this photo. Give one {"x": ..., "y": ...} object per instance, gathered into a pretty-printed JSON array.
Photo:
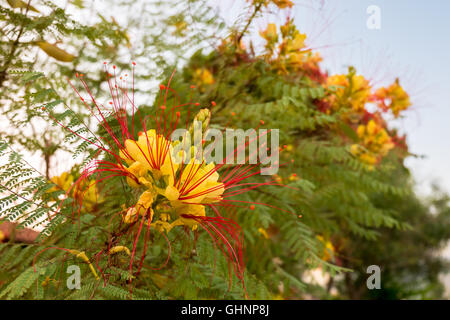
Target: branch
[
  {"x": 255, "y": 12},
  {"x": 8, "y": 231},
  {"x": 4, "y": 68}
]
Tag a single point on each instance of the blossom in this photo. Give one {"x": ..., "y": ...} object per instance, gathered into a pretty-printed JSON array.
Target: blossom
[
  {"x": 151, "y": 152},
  {"x": 62, "y": 182},
  {"x": 291, "y": 53},
  {"x": 203, "y": 78},
  {"x": 86, "y": 192},
  {"x": 270, "y": 34},
  {"x": 328, "y": 248},
  {"x": 392, "y": 98},
  {"x": 351, "y": 91},
  {"x": 169, "y": 193},
  {"x": 375, "y": 143}
]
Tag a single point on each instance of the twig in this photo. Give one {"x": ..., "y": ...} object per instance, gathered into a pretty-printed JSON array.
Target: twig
[
  {"x": 13, "y": 50},
  {"x": 255, "y": 12}
]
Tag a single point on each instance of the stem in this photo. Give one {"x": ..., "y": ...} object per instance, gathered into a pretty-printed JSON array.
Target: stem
[
  {"x": 255, "y": 12},
  {"x": 12, "y": 50}
]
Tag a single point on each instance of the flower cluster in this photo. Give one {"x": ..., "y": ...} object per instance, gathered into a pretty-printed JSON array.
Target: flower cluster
[
  {"x": 328, "y": 248},
  {"x": 202, "y": 78},
  {"x": 286, "y": 51},
  {"x": 179, "y": 192},
  {"x": 351, "y": 91},
  {"x": 375, "y": 143},
  {"x": 392, "y": 98},
  {"x": 350, "y": 94},
  {"x": 347, "y": 94},
  {"x": 85, "y": 193},
  {"x": 172, "y": 188}
]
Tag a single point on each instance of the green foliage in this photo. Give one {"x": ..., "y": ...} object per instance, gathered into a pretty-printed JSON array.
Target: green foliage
[
  {"x": 411, "y": 267},
  {"x": 335, "y": 191}
]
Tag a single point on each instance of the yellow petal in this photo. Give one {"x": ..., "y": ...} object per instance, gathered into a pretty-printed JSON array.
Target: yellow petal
[
  {"x": 191, "y": 209},
  {"x": 371, "y": 127},
  {"x": 118, "y": 249},
  {"x": 145, "y": 200},
  {"x": 171, "y": 193}
]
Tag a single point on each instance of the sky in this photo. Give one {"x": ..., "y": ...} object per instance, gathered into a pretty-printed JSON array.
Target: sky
[{"x": 411, "y": 43}]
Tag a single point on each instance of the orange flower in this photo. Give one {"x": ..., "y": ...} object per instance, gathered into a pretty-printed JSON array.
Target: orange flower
[
  {"x": 282, "y": 4},
  {"x": 392, "y": 98},
  {"x": 352, "y": 90}
]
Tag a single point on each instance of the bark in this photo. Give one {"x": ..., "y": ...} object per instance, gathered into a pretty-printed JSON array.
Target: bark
[{"x": 10, "y": 232}]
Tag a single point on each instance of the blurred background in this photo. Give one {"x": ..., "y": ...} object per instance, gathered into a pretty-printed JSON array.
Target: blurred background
[{"x": 409, "y": 45}]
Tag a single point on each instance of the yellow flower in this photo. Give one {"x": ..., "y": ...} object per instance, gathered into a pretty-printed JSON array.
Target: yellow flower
[
  {"x": 375, "y": 143},
  {"x": 282, "y": 4},
  {"x": 82, "y": 255},
  {"x": 118, "y": 249},
  {"x": 328, "y": 250},
  {"x": 353, "y": 90},
  {"x": 263, "y": 232},
  {"x": 291, "y": 53},
  {"x": 63, "y": 182},
  {"x": 193, "y": 210},
  {"x": 146, "y": 200},
  {"x": 139, "y": 172},
  {"x": 270, "y": 34},
  {"x": 360, "y": 92},
  {"x": 297, "y": 43},
  {"x": 394, "y": 98},
  {"x": 197, "y": 210},
  {"x": 153, "y": 152},
  {"x": 203, "y": 77},
  {"x": 371, "y": 128},
  {"x": 198, "y": 185},
  {"x": 151, "y": 165},
  {"x": 355, "y": 149},
  {"x": 368, "y": 158},
  {"x": 338, "y": 80},
  {"x": 84, "y": 190},
  {"x": 142, "y": 207}
]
